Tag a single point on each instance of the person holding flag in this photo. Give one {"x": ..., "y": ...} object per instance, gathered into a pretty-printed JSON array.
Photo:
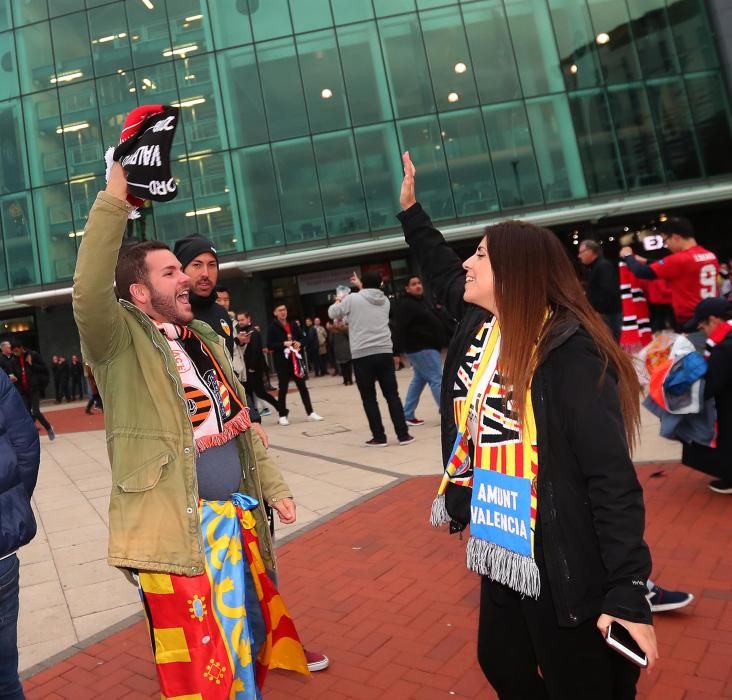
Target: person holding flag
[{"x": 539, "y": 407}]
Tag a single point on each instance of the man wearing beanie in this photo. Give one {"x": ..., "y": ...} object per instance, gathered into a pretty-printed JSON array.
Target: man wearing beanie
[{"x": 200, "y": 262}]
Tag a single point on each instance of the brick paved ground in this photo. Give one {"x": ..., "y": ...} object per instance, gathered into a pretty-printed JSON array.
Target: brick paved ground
[{"x": 370, "y": 586}]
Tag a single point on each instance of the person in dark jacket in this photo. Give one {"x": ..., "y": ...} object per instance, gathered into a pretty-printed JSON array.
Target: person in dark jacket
[
  {"x": 62, "y": 378},
  {"x": 339, "y": 341},
  {"x": 200, "y": 262},
  {"x": 603, "y": 286},
  {"x": 8, "y": 362},
  {"x": 712, "y": 317},
  {"x": 555, "y": 508},
  {"x": 20, "y": 456},
  {"x": 419, "y": 333},
  {"x": 32, "y": 380},
  {"x": 286, "y": 341},
  {"x": 251, "y": 339},
  {"x": 76, "y": 373}
]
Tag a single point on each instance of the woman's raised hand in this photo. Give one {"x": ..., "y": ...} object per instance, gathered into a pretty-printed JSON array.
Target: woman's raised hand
[{"x": 407, "y": 196}]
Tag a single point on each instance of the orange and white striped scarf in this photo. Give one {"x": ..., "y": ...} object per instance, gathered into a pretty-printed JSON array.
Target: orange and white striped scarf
[{"x": 216, "y": 413}]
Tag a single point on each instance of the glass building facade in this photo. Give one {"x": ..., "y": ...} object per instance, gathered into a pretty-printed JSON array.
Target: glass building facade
[{"x": 294, "y": 113}]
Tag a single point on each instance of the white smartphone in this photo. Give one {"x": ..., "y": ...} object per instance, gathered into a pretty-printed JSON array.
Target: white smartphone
[{"x": 619, "y": 639}]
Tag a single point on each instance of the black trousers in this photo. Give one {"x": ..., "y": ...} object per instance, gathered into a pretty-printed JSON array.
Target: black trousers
[
  {"x": 286, "y": 374},
  {"x": 76, "y": 388},
  {"x": 519, "y": 637},
  {"x": 368, "y": 371},
  {"x": 32, "y": 401},
  {"x": 255, "y": 387},
  {"x": 347, "y": 371}
]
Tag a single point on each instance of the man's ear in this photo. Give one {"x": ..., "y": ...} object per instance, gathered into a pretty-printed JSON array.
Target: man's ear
[{"x": 139, "y": 293}]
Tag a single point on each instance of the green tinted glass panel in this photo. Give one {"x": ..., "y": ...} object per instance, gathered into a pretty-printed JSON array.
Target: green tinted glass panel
[
  {"x": 5, "y": 20},
  {"x": 189, "y": 25},
  {"x": 33, "y": 46},
  {"x": 512, "y": 152},
  {"x": 25, "y": 12},
  {"x": 217, "y": 215},
  {"x": 308, "y": 15},
  {"x": 73, "y": 56},
  {"x": 115, "y": 102},
  {"x": 596, "y": 142},
  {"x": 110, "y": 40},
  {"x": 3, "y": 263},
  {"x": 241, "y": 92},
  {"x": 19, "y": 235},
  {"x": 13, "y": 161},
  {"x": 406, "y": 65},
  {"x": 534, "y": 46},
  {"x": 179, "y": 217},
  {"x": 82, "y": 135},
  {"x": 447, "y": 54},
  {"x": 325, "y": 93},
  {"x": 157, "y": 85},
  {"x": 258, "y": 201},
  {"x": 614, "y": 41},
  {"x": 83, "y": 193},
  {"x": 653, "y": 38},
  {"x": 149, "y": 33},
  {"x": 428, "y": 4},
  {"x": 60, "y": 7},
  {"x": 230, "y": 23},
  {"x": 56, "y": 234},
  {"x": 282, "y": 87},
  {"x": 636, "y": 137},
  {"x": 713, "y": 123},
  {"x": 421, "y": 137},
  {"x": 692, "y": 32},
  {"x": 468, "y": 162},
  {"x": 270, "y": 19},
  {"x": 381, "y": 172},
  {"x": 302, "y": 211},
  {"x": 345, "y": 11},
  {"x": 203, "y": 117},
  {"x": 578, "y": 59},
  {"x": 46, "y": 152},
  {"x": 363, "y": 73},
  {"x": 9, "y": 85},
  {"x": 384, "y": 8},
  {"x": 492, "y": 60},
  {"x": 340, "y": 183},
  {"x": 555, "y": 147},
  {"x": 674, "y": 128}
]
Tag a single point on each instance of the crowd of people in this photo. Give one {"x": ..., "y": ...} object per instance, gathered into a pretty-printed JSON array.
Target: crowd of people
[{"x": 539, "y": 410}]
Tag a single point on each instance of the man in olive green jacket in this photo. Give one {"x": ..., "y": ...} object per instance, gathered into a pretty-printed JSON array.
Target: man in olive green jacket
[{"x": 153, "y": 511}]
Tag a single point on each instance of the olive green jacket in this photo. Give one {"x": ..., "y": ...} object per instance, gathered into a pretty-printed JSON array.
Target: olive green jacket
[{"x": 153, "y": 510}]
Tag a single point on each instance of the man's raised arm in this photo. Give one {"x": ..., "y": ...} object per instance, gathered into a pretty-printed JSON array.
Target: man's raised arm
[{"x": 97, "y": 313}]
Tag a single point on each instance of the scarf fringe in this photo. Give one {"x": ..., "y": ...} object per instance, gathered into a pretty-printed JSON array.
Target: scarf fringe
[
  {"x": 234, "y": 427},
  {"x": 438, "y": 513},
  {"x": 516, "y": 571}
]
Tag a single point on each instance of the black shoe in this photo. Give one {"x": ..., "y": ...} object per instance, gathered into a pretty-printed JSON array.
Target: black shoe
[
  {"x": 51, "y": 434},
  {"x": 721, "y": 486},
  {"x": 373, "y": 442},
  {"x": 406, "y": 440}
]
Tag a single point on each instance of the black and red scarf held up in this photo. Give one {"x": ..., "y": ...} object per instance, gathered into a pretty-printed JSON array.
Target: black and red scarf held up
[{"x": 216, "y": 413}]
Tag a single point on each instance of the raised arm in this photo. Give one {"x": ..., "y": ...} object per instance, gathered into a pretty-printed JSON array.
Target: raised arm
[
  {"x": 440, "y": 265},
  {"x": 97, "y": 313}
]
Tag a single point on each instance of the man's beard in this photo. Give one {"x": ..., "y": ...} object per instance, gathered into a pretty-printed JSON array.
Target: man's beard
[{"x": 167, "y": 308}]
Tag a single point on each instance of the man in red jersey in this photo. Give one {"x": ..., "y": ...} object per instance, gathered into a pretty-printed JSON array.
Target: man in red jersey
[{"x": 691, "y": 271}]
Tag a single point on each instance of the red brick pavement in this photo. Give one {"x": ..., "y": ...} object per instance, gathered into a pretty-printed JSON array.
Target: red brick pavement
[{"x": 389, "y": 600}]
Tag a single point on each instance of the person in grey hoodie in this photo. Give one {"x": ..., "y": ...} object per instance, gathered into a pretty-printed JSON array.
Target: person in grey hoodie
[{"x": 367, "y": 315}]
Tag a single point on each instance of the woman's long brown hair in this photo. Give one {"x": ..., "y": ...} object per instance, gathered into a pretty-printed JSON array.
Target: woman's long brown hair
[{"x": 533, "y": 273}]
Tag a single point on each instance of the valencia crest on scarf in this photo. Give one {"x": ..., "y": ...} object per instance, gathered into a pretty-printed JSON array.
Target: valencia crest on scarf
[
  {"x": 496, "y": 456},
  {"x": 215, "y": 411}
]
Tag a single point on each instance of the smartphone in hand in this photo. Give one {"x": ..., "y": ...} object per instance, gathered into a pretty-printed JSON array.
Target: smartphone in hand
[{"x": 619, "y": 638}]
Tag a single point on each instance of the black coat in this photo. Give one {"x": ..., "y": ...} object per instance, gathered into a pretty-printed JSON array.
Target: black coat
[
  {"x": 718, "y": 386},
  {"x": 603, "y": 286},
  {"x": 36, "y": 371},
  {"x": 416, "y": 326},
  {"x": 253, "y": 350},
  {"x": 591, "y": 516},
  {"x": 10, "y": 365},
  {"x": 206, "y": 309},
  {"x": 20, "y": 455},
  {"x": 276, "y": 338}
]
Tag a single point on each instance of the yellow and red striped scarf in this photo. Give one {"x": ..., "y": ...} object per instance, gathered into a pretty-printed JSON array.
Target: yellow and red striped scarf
[{"x": 489, "y": 437}]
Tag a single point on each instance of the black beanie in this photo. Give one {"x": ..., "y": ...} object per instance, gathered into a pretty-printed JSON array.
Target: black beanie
[{"x": 191, "y": 247}]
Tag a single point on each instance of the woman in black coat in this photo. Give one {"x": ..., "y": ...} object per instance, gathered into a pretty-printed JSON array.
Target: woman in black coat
[
  {"x": 538, "y": 463},
  {"x": 19, "y": 459}
]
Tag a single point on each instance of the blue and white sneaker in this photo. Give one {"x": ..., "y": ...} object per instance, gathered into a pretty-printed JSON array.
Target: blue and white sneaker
[
  {"x": 265, "y": 412},
  {"x": 662, "y": 600}
]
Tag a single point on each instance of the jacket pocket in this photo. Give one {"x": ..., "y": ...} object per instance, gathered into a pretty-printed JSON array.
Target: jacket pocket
[{"x": 146, "y": 476}]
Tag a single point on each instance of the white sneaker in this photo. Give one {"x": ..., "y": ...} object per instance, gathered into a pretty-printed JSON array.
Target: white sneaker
[
  {"x": 283, "y": 420},
  {"x": 315, "y": 416}
]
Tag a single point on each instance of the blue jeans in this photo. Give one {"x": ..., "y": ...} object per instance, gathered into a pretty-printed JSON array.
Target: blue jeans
[
  {"x": 10, "y": 688},
  {"x": 427, "y": 367}
]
